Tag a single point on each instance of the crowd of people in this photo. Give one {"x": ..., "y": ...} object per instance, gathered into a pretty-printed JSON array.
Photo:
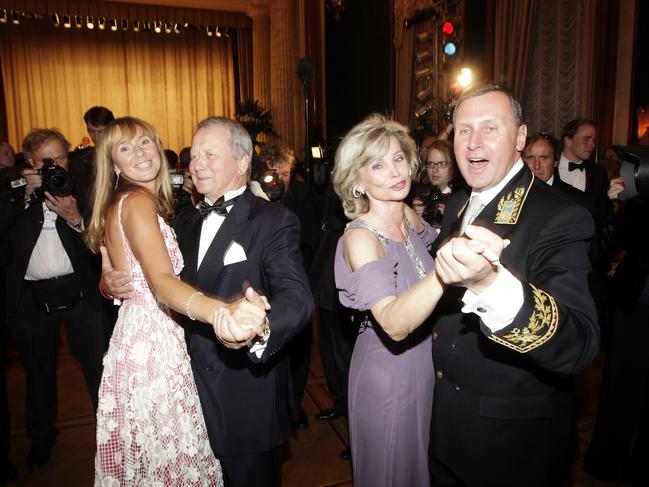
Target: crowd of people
[{"x": 459, "y": 288}]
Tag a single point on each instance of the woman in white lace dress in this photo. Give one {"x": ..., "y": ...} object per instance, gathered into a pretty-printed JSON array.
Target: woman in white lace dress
[{"x": 150, "y": 426}]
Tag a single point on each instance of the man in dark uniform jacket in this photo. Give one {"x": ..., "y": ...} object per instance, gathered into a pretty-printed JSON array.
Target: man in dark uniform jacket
[
  {"x": 506, "y": 347},
  {"x": 50, "y": 277}
]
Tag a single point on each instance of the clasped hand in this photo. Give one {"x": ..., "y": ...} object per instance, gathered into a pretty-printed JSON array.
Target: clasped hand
[
  {"x": 472, "y": 260},
  {"x": 237, "y": 324}
]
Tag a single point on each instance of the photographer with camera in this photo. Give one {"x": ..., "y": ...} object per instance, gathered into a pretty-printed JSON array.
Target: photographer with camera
[
  {"x": 50, "y": 277},
  {"x": 439, "y": 178}
]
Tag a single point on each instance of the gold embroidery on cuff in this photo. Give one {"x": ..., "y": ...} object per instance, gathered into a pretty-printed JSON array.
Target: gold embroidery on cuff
[{"x": 541, "y": 327}]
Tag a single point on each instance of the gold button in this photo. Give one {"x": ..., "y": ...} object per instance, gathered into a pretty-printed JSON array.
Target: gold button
[
  {"x": 439, "y": 374},
  {"x": 434, "y": 335}
]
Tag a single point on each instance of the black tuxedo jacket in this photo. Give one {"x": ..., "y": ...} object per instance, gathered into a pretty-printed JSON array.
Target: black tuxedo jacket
[
  {"x": 245, "y": 398},
  {"x": 596, "y": 192},
  {"x": 504, "y": 406},
  {"x": 22, "y": 229},
  {"x": 300, "y": 199}
]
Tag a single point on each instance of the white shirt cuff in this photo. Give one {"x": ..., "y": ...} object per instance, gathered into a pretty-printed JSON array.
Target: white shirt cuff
[
  {"x": 499, "y": 304},
  {"x": 259, "y": 344}
]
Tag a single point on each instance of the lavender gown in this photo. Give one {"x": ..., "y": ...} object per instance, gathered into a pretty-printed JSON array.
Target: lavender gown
[{"x": 390, "y": 384}]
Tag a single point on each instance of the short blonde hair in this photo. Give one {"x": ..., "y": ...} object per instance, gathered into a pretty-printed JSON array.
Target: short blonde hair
[
  {"x": 108, "y": 187},
  {"x": 364, "y": 143}
]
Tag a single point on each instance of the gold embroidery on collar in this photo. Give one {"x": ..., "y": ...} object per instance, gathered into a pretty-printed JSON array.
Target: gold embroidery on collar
[
  {"x": 541, "y": 327},
  {"x": 511, "y": 204}
]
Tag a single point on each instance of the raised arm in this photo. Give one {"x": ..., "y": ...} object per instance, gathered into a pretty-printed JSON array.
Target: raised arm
[{"x": 397, "y": 315}]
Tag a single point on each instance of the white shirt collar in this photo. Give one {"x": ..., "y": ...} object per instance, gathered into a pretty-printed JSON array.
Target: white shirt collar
[
  {"x": 229, "y": 195},
  {"x": 563, "y": 161},
  {"x": 489, "y": 194},
  {"x": 550, "y": 181}
]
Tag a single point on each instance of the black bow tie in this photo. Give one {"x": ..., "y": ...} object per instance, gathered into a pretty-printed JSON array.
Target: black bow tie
[
  {"x": 219, "y": 207},
  {"x": 573, "y": 165}
]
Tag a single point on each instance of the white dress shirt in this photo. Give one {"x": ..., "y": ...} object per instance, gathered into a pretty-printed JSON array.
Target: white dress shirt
[
  {"x": 576, "y": 179},
  {"x": 212, "y": 223},
  {"x": 498, "y": 305},
  {"x": 49, "y": 258}
]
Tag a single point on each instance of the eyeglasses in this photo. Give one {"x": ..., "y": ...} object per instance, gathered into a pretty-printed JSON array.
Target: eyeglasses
[{"x": 437, "y": 164}]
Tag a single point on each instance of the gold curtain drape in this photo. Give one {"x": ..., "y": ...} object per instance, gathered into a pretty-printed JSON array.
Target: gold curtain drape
[
  {"x": 53, "y": 75},
  {"x": 545, "y": 53},
  {"x": 514, "y": 36}
]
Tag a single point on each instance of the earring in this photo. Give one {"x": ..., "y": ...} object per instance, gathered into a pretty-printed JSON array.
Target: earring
[
  {"x": 356, "y": 192},
  {"x": 117, "y": 173},
  {"x": 410, "y": 172}
]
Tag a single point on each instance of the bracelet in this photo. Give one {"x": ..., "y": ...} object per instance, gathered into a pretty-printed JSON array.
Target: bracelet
[
  {"x": 188, "y": 302},
  {"x": 102, "y": 291}
]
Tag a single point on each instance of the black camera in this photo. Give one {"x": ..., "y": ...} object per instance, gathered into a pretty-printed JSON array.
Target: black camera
[
  {"x": 56, "y": 180},
  {"x": 434, "y": 203},
  {"x": 177, "y": 179},
  {"x": 272, "y": 185},
  {"x": 634, "y": 171}
]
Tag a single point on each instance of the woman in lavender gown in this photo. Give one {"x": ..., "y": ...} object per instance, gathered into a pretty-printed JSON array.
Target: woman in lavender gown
[{"x": 383, "y": 267}]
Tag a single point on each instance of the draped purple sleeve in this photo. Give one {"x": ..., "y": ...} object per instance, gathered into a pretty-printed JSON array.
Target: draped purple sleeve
[
  {"x": 426, "y": 233},
  {"x": 365, "y": 287}
]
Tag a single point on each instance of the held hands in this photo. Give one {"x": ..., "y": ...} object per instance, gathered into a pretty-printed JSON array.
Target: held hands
[
  {"x": 115, "y": 283},
  {"x": 471, "y": 261},
  {"x": 238, "y": 323}
]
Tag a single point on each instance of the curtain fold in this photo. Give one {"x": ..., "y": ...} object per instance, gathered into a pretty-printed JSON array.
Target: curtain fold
[
  {"x": 514, "y": 34},
  {"x": 53, "y": 75}
]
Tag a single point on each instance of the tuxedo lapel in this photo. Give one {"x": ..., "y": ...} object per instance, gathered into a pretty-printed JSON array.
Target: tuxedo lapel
[
  {"x": 212, "y": 263},
  {"x": 189, "y": 241},
  {"x": 213, "y": 260}
]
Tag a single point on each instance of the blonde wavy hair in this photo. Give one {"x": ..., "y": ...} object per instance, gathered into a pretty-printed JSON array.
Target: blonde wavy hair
[
  {"x": 108, "y": 188},
  {"x": 364, "y": 143}
]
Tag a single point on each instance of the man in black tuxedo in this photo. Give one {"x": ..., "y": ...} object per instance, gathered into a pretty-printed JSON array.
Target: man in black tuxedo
[
  {"x": 50, "y": 277},
  {"x": 579, "y": 137},
  {"x": 230, "y": 241},
  {"x": 508, "y": 335}
]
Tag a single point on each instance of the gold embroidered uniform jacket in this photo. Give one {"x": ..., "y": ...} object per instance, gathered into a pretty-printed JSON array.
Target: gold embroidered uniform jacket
[{"x": 504, "y": 406}]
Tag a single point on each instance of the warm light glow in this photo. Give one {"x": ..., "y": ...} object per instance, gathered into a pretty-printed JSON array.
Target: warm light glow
[
  {"x": 316, "y": 152},
  {"x": 89, "y": 23},
  {"x": 465, "y": 77},
  {"x": 268, "y": 178},
  {"x": 643, "y": 120}
]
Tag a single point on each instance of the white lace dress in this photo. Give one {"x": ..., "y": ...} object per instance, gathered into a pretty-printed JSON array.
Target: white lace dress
[{"x": 150, "y": 426}]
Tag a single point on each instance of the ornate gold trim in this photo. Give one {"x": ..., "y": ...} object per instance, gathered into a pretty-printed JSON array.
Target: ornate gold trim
[
  {"x": 510, "y": 205},
  {"x": 542, "y": 325}
]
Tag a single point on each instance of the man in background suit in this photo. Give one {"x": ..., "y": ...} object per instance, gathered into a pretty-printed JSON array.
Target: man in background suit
[
  {"x": 50, "y": 277},
  {"x": 82, "y": 165},
  {"x": 541, "y": 155},
  {"x": 508, "y": 335},
  {"x": 233, "y": 240},
  {"x": 579, "y": 137}
]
